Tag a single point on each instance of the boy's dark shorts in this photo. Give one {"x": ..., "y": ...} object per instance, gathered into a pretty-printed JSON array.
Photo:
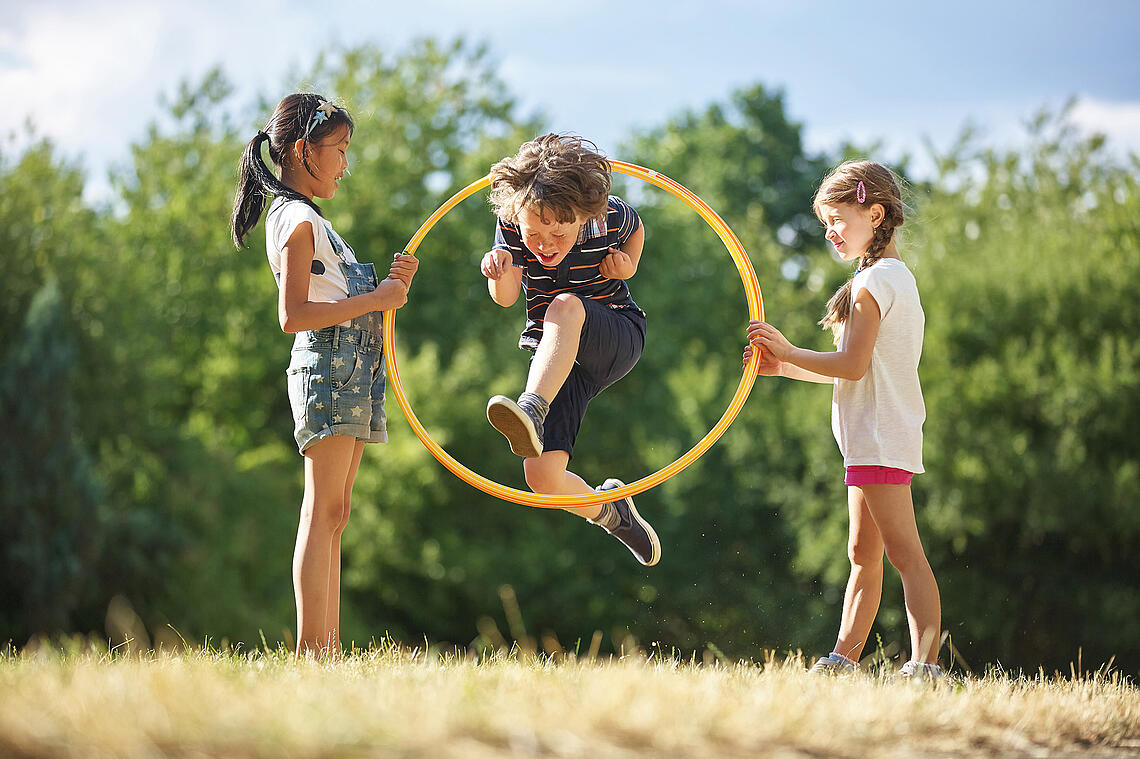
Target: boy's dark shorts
[{"x": 610, "y": 346}]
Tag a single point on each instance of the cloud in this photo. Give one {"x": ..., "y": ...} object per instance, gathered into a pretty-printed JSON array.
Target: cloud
[
  {"x": 74, "y": 72},
  {"x": 1119, "y": 121}
]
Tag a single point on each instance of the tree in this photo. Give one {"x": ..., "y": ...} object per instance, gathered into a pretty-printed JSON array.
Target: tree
[
  {"x": 1027, "y": 260},
  {"x": 50, "y": 530}
]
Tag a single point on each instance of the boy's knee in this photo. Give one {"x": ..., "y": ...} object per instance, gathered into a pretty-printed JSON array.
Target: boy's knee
[
  {"x": 542, "y": 476},
  {"x": 566, "y": 309}
]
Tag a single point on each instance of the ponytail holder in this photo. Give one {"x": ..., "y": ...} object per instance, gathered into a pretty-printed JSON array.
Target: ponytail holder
[
  {"x": 861, "y": 192},
  {"x": 262, "y": 134}
]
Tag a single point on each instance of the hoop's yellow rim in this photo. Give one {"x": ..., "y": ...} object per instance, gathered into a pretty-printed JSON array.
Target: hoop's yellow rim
[{"x": 545, "y": 500}]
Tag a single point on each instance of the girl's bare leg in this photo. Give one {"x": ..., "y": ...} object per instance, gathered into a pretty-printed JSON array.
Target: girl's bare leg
[
  {"x": 327, "y": 464},
  {"x": 332, "y": 616},
  {"x": 865, "y": 585},
  {"x": 893, "y": 512}
]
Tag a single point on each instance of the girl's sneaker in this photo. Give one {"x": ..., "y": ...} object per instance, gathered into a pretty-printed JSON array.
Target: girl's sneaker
[
  {"x": 917, "y": 671},
  {"x": 833, "y": 664}
]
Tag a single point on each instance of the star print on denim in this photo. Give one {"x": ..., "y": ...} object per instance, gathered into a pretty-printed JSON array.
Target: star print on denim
[{"x": 341, "y": 367}]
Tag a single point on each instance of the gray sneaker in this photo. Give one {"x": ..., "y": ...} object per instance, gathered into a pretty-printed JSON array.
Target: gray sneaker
[
  {"x": 519, "y": 424},
  {"x": 637, "y": 534},
  {"x": 833, "y": 664},
  {"x": 916, "y": 671}
]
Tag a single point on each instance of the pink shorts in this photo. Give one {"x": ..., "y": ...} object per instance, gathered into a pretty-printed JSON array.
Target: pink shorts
[{"x": 876, "y": 475}]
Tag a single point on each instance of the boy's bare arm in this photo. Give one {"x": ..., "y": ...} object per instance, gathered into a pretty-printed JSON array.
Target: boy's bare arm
[{"x": 504, "y": 279}]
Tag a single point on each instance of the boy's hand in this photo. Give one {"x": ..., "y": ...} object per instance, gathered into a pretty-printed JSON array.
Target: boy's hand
[
  {"x": 617, "y": 265},
  {"x": 764, "y": 335},
  {"x": 496, "y": 263},
  {"x": 404, "y": 266},
  {"x": 769, "y": 365}
]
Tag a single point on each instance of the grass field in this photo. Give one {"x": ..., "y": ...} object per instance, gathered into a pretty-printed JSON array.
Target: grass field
[{"x": 393, "y": 701}]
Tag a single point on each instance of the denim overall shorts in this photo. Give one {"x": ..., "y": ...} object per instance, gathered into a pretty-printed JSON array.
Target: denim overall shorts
[{"x": 336, "y": 374}]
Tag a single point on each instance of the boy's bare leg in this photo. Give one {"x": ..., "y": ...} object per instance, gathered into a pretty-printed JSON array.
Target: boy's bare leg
[
  {"x": 548, "y": 474},
  {"x": 521, "y": 422},
  {"x": 554, "y": 358}
]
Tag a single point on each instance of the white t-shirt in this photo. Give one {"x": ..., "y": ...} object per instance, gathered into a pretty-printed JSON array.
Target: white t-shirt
[
  {"x": 329, "y": 284},
  {"x": 877, "y": 420}
]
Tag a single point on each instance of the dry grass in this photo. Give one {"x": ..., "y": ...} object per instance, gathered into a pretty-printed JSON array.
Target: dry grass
[{"x": 400, "y": 702}]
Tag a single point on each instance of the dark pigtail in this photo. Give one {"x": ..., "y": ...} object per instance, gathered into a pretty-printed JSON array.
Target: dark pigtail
[{"x": 253, "y": 183}]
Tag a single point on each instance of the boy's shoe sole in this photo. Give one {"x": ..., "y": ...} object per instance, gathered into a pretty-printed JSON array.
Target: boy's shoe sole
[
  {"x": 517, "y": 427},
  {"x": 631, "y": 522}
]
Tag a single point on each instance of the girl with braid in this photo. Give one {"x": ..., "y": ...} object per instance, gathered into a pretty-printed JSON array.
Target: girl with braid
[
  {"x": 877, "y": 408},
  {"x": 332, "y": 304}
]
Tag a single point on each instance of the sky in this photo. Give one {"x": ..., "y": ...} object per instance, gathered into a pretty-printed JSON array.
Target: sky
[{"x": 90, "y": 75}]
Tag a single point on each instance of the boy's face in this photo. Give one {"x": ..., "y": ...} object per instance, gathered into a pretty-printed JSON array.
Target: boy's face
[{"x": 549, "y": 240}]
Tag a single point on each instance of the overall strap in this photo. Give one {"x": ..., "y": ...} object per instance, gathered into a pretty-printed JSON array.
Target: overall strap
[{"x": 337, "y": 246}]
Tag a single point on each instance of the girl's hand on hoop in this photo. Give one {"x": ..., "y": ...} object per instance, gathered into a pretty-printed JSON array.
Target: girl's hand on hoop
[
  {"x": 768, "y": 366},
  {"x": 495, "y": 264},
  {"x": 769, "y": 338},
  {"x": 404, "y": 266},
  {"x": 390, "y": 294}
]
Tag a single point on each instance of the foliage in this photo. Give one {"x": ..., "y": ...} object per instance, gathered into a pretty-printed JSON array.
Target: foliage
[
  {"x": 48, "y": 497},
  {"x": 1032, "y": 365},
  {"x": 176, "y": 481}
]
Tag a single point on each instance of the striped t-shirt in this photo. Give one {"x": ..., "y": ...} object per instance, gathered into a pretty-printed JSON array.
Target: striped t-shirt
[{"x": 579, "y": 272}]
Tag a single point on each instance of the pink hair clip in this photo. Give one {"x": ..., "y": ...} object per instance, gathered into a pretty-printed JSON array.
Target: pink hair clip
[{"x": 861, "y": 192}]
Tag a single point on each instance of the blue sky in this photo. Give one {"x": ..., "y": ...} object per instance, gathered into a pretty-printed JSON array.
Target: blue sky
[{"x": 89, "y": 74}]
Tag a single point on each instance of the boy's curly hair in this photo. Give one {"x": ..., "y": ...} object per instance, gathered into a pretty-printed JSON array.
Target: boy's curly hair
[{"x": 560, "y": 174}]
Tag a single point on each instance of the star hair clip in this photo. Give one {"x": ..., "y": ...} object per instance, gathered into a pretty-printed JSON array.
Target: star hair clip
[
  {"x": 321, "y": 114},
  {"x": 861, "y": 192}
]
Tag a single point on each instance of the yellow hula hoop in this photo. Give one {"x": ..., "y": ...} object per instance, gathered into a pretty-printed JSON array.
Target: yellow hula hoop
[{"x": 544, "y": 500}]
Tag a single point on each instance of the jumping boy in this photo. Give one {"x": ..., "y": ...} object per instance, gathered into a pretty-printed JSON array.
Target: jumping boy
[{"x": 572, "y": 246}]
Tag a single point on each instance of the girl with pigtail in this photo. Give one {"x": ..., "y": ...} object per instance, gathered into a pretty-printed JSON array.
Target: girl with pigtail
[
  {"x": 877, "y": 407},
  {"x": 333, "y": 304}
]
